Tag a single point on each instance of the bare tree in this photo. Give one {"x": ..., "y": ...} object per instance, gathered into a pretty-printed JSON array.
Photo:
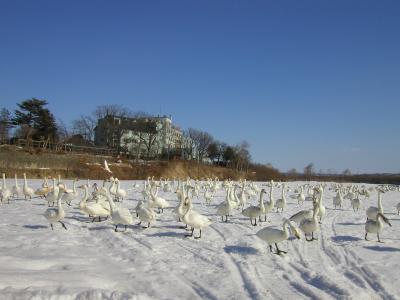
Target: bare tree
[
  {"x": 347, "y": 172},
  {"x": 309, "y": 170},
  {"x": 84, "y": 126},
  {"x": 201, "y": 139},
  {"x": 243, "y": 156},
  {"x": 62, "y": 130},
  {"x": 111, "y": 119},
  {"x": 141, "y": 133},
  {"x": 113, "y": 110}
]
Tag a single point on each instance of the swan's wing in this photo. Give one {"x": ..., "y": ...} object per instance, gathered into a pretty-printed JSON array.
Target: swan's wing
[
  {"x": 106, "y": 167},
  {"x": 125, "y": 213}
]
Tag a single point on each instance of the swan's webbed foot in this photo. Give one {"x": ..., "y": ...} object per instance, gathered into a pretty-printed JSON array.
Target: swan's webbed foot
[
  {"x": 278, "y": 251},
  {"x": 198, "y": 237},
  {"x": 312, "y": 238},
  {"x": 191, "y": 233}
]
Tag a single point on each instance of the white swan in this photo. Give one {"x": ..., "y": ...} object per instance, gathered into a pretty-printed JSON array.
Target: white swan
[
  {"x": 28, "y": 191},
  {"x": 120, "y": 193},
  {"x": 96, "y": 209},
  {"x": 355, "y": 202},
  {"x": 195, "y": 220},
  {"x": 181, "y": 208},
  {"x": 281, "y": 203},
  {"x": 158, "y": 202},
  {"x": 301, "y": 197},
  {"x": 372, "y": 211},
  {"x": 5, "y": 193},
  {"x": 208, "y": 195},
  {"x": 113, "y": 187},
  {"x": 42, "y": 191},
  {"x": 376, "y": 226},
  {"x": 106, "y": 168},
  {"x": 82, "y": 203},
  {"x": 119, "y": 215},
  {"x": 310, "y": 225},
  {"x": 321, "y": 207},
  {"x": 56, "y": 214},
  {"x": 255, "y": 211},
  {"x": 269, "y": 205},
  {"x": 69, "y": 196},
  {"x": 274, "y": 235},
  {"x": 225, "y": 208},
  {"x": 15, "y": 190},
  {"x": 301, "y": 215},
  {"x": 242, "y": 197},
  {"x": 338, "y": 199},
  {"x": 145, "y": 214},
  {"x": 51, "y": 197},
  {"x": 62, "y": 184}
]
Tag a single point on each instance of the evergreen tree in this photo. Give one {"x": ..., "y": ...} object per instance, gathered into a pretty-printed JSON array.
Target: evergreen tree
[
  {"x": 38, "y": 121},
  {"x": 5, "y": 123}
]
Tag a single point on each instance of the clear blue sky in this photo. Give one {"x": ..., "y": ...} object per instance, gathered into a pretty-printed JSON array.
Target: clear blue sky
[{"x": 301, "y": 81}]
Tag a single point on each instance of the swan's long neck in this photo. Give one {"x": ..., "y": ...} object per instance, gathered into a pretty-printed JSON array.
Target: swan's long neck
[
  {"x": 25, "y": 182},
  {"x": 59, "y": 205},
  {"x": 271, "y": 198},
  {"x": 189, "y": 209},
  {"x": 261, "y": 200},
  {"x": 4, "y": 181},
  {"x": 118, "y": 185},
  {"x": 109, "y": 198},
  {"x": 16, "y": 180},
  {"x": 85, "y": 195},
  {"x": 285, "y": 226},
  {"x": 315, "y": 212},
  {"x": 228, "y": 197},
  {"x": 380, "y": 201},
  {"x": 74, "y": 186},
  {"x": 320, "y": 198}
]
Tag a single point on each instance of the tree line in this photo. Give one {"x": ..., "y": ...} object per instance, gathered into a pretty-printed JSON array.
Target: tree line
[{"x": 33, "y": 120}]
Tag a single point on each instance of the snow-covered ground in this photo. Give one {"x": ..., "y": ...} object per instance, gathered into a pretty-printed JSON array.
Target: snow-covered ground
[{"x": 91, "y": 261}]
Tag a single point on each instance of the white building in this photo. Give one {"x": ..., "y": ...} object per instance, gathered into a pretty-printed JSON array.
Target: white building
[{"x": 145, "y": 137}]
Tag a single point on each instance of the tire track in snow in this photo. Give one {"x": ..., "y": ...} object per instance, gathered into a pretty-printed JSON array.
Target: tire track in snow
[
  {"x": 319, "y": 280},
  {"x": 236, "y": 267},
  {"x": 363, "y": 274}
]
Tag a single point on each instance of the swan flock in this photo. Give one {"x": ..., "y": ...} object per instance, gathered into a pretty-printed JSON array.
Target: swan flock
[{"x": 223, "y": 202}]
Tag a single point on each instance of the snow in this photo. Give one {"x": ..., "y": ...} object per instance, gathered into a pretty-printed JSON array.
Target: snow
[{"x": 91, "y": 261}]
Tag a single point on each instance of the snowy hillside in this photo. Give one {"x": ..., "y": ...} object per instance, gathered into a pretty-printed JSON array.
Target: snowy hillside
[{"x": 91, "y": 261}]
